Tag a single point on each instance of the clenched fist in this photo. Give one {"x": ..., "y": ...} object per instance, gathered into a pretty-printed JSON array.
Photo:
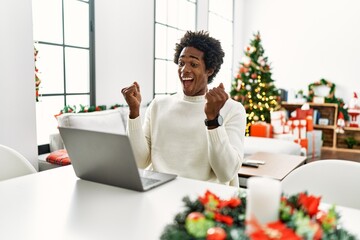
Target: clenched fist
[
  {"x": 215, "y": 100},
  {"x": 132, "y": 96}
]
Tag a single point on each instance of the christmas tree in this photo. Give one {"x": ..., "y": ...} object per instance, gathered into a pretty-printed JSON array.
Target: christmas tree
[{"x": 253, "y": 85}]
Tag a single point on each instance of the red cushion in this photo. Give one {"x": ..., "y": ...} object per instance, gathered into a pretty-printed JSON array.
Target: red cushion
[{"x": 59, "y": 157}]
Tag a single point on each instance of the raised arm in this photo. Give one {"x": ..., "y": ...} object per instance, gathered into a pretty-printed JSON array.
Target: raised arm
[{"x": 226, "y": 142}]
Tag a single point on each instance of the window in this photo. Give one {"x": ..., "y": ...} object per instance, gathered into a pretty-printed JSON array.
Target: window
[
  {"x": 172, "y": 19},
  {"x": 221, "y": 27},
  {"x": 64, "y": 38}
]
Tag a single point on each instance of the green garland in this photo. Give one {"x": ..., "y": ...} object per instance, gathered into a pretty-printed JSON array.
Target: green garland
[
  {"x": 330, "y": 98},
  {"x": 322, "y": 82},
  {"x": 209, "y": 217},
  {"x": 85, "y": 108}
]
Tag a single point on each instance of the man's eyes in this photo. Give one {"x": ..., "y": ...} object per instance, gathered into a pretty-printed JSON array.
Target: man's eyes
[{"x": 192, "y": 64}]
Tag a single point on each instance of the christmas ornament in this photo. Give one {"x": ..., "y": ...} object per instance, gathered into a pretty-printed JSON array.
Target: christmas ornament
[
  {"x": 216, "y": 233},
  {"x": 354, "y": 111},
  {"x": 340, "y": 123}
]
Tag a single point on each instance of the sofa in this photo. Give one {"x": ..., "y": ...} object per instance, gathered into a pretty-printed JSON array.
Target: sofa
[{"x": 115, "y": 120}]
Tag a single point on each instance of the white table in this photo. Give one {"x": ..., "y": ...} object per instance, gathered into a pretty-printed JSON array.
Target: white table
[
  {"x": 55, "y": 204},
  {"x": 277, "y": 166}
]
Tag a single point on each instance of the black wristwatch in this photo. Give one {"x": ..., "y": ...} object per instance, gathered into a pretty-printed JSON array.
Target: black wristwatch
[{"x": 218, "y": 121}]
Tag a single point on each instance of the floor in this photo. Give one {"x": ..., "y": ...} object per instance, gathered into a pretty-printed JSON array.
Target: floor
[{"x": 333, "y": 154}]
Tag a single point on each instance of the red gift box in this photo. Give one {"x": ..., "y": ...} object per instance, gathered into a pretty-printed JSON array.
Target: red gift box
[
  {"x": 308, "y": 115},
  {"x": 261, "y": 129},
  {"x": 303, "y": 143},
  {"x": 300, "y": 113},
  {"x": 304, "y": 114}
]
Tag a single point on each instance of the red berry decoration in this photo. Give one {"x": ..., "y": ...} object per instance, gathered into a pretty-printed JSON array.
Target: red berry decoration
[{"x": 216, "y": 233}]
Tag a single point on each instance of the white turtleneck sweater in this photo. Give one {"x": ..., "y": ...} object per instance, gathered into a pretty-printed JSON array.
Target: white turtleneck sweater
[{"x": 174, "y": 139}]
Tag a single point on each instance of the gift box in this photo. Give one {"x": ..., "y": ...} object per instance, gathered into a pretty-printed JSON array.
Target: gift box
[
  {"x": 296, "y": 129},
  {"x": 303, "y": 143},
  {"x": 300, "y": 113},
  {"x": 278, "y": 118},
  {"x": 305, "y": 114},
  {"x": 278, "y": 129},
  {"x": 302, "y": 128},
  {"x": 314, "y": 144},
  {"x": 261, "y": 129}
]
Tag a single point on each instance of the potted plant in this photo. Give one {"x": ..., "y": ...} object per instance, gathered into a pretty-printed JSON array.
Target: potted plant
[{"x": 351, "y": 142}]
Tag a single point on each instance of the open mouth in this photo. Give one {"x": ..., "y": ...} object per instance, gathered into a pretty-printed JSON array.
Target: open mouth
[{"x": 187, "y": 81}]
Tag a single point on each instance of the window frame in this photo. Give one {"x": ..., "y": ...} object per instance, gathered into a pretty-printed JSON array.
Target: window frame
[
  {"x": 45, "y": 148},
  {"x": 168, "y": 60}
]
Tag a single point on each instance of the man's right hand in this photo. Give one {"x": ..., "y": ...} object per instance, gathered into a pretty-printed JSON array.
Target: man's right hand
[{"x": 132, "y": 96}]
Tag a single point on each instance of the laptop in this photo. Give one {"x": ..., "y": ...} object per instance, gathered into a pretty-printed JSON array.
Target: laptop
[{"x": 108, "y": 158}]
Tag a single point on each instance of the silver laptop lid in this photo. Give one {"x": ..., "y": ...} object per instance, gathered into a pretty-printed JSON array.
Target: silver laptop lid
[{"x": 104, "y": 158}]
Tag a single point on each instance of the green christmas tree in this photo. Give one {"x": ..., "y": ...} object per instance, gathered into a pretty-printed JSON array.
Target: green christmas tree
[{"x": 253, "y": 85}]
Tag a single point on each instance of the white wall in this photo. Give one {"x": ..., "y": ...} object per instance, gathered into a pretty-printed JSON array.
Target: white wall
[
  {"x": 307, "y": 40},
  {"x": 124, "y": 48},
  {"x": 239, "y": 42},
  {"x": 202, "y": 20},
  {"x": 17, "y": 84}
]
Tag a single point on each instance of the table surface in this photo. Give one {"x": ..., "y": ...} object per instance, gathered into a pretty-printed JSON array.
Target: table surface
[
  {"x": 55, "y": 204},
  {"x": 276, "y": 166}
]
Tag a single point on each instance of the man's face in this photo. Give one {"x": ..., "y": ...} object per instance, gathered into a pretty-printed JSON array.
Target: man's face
[{"x": 192, "y": 72}]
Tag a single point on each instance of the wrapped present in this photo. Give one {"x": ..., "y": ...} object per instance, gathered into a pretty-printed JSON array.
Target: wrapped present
[
  {"x": 300, "y": 113},
  {"x": 278, "y": 129},
  {"x": 261, "y": 129},
  {"x": 288, "y": 127},
  {"x": 296, "y": 128},
  {"x": 302, "y": 128},
  {"x": 278, "y": 118},
  {"x": 304, "y": 113},
  {"x": 314, "y": 143},
  {"x": 309, "y": 123},
  {"x": 303, "y": 143}
]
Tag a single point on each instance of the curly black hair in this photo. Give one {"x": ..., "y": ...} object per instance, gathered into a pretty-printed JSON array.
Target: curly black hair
[{"x": 213, "y": 52}]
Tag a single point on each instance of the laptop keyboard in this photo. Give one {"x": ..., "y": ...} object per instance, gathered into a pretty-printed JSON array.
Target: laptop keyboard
[{"x": 148, "y": 181}]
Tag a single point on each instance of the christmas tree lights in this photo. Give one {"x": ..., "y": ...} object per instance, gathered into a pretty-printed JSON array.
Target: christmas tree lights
[{"x": 253, "y": 85}]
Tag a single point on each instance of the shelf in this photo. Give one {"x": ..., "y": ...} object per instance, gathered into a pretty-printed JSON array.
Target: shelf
[
  {"x": 351, "y": 150},
  {"x": 351, "y": 129},
  {"x": 331, "y": 139},
  {"x": 324, "y": 127},
  {"x": 329, "y": 148},
  {"x": 311, "y": 104},
  {"x": 326, "y": 110}
]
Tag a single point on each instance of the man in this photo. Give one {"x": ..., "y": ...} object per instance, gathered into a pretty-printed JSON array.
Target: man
[{"x": 198, "y": 134}]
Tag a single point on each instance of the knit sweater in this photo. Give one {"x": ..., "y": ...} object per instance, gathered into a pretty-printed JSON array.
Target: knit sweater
[{"x": 174, "y": 139}]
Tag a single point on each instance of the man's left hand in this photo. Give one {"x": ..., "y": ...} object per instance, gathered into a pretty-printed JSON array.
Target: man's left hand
[{"x": 215, "y": 100}]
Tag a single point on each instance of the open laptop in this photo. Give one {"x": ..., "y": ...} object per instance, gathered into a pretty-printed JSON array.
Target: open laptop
[{"x": 108, "y": 158}]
